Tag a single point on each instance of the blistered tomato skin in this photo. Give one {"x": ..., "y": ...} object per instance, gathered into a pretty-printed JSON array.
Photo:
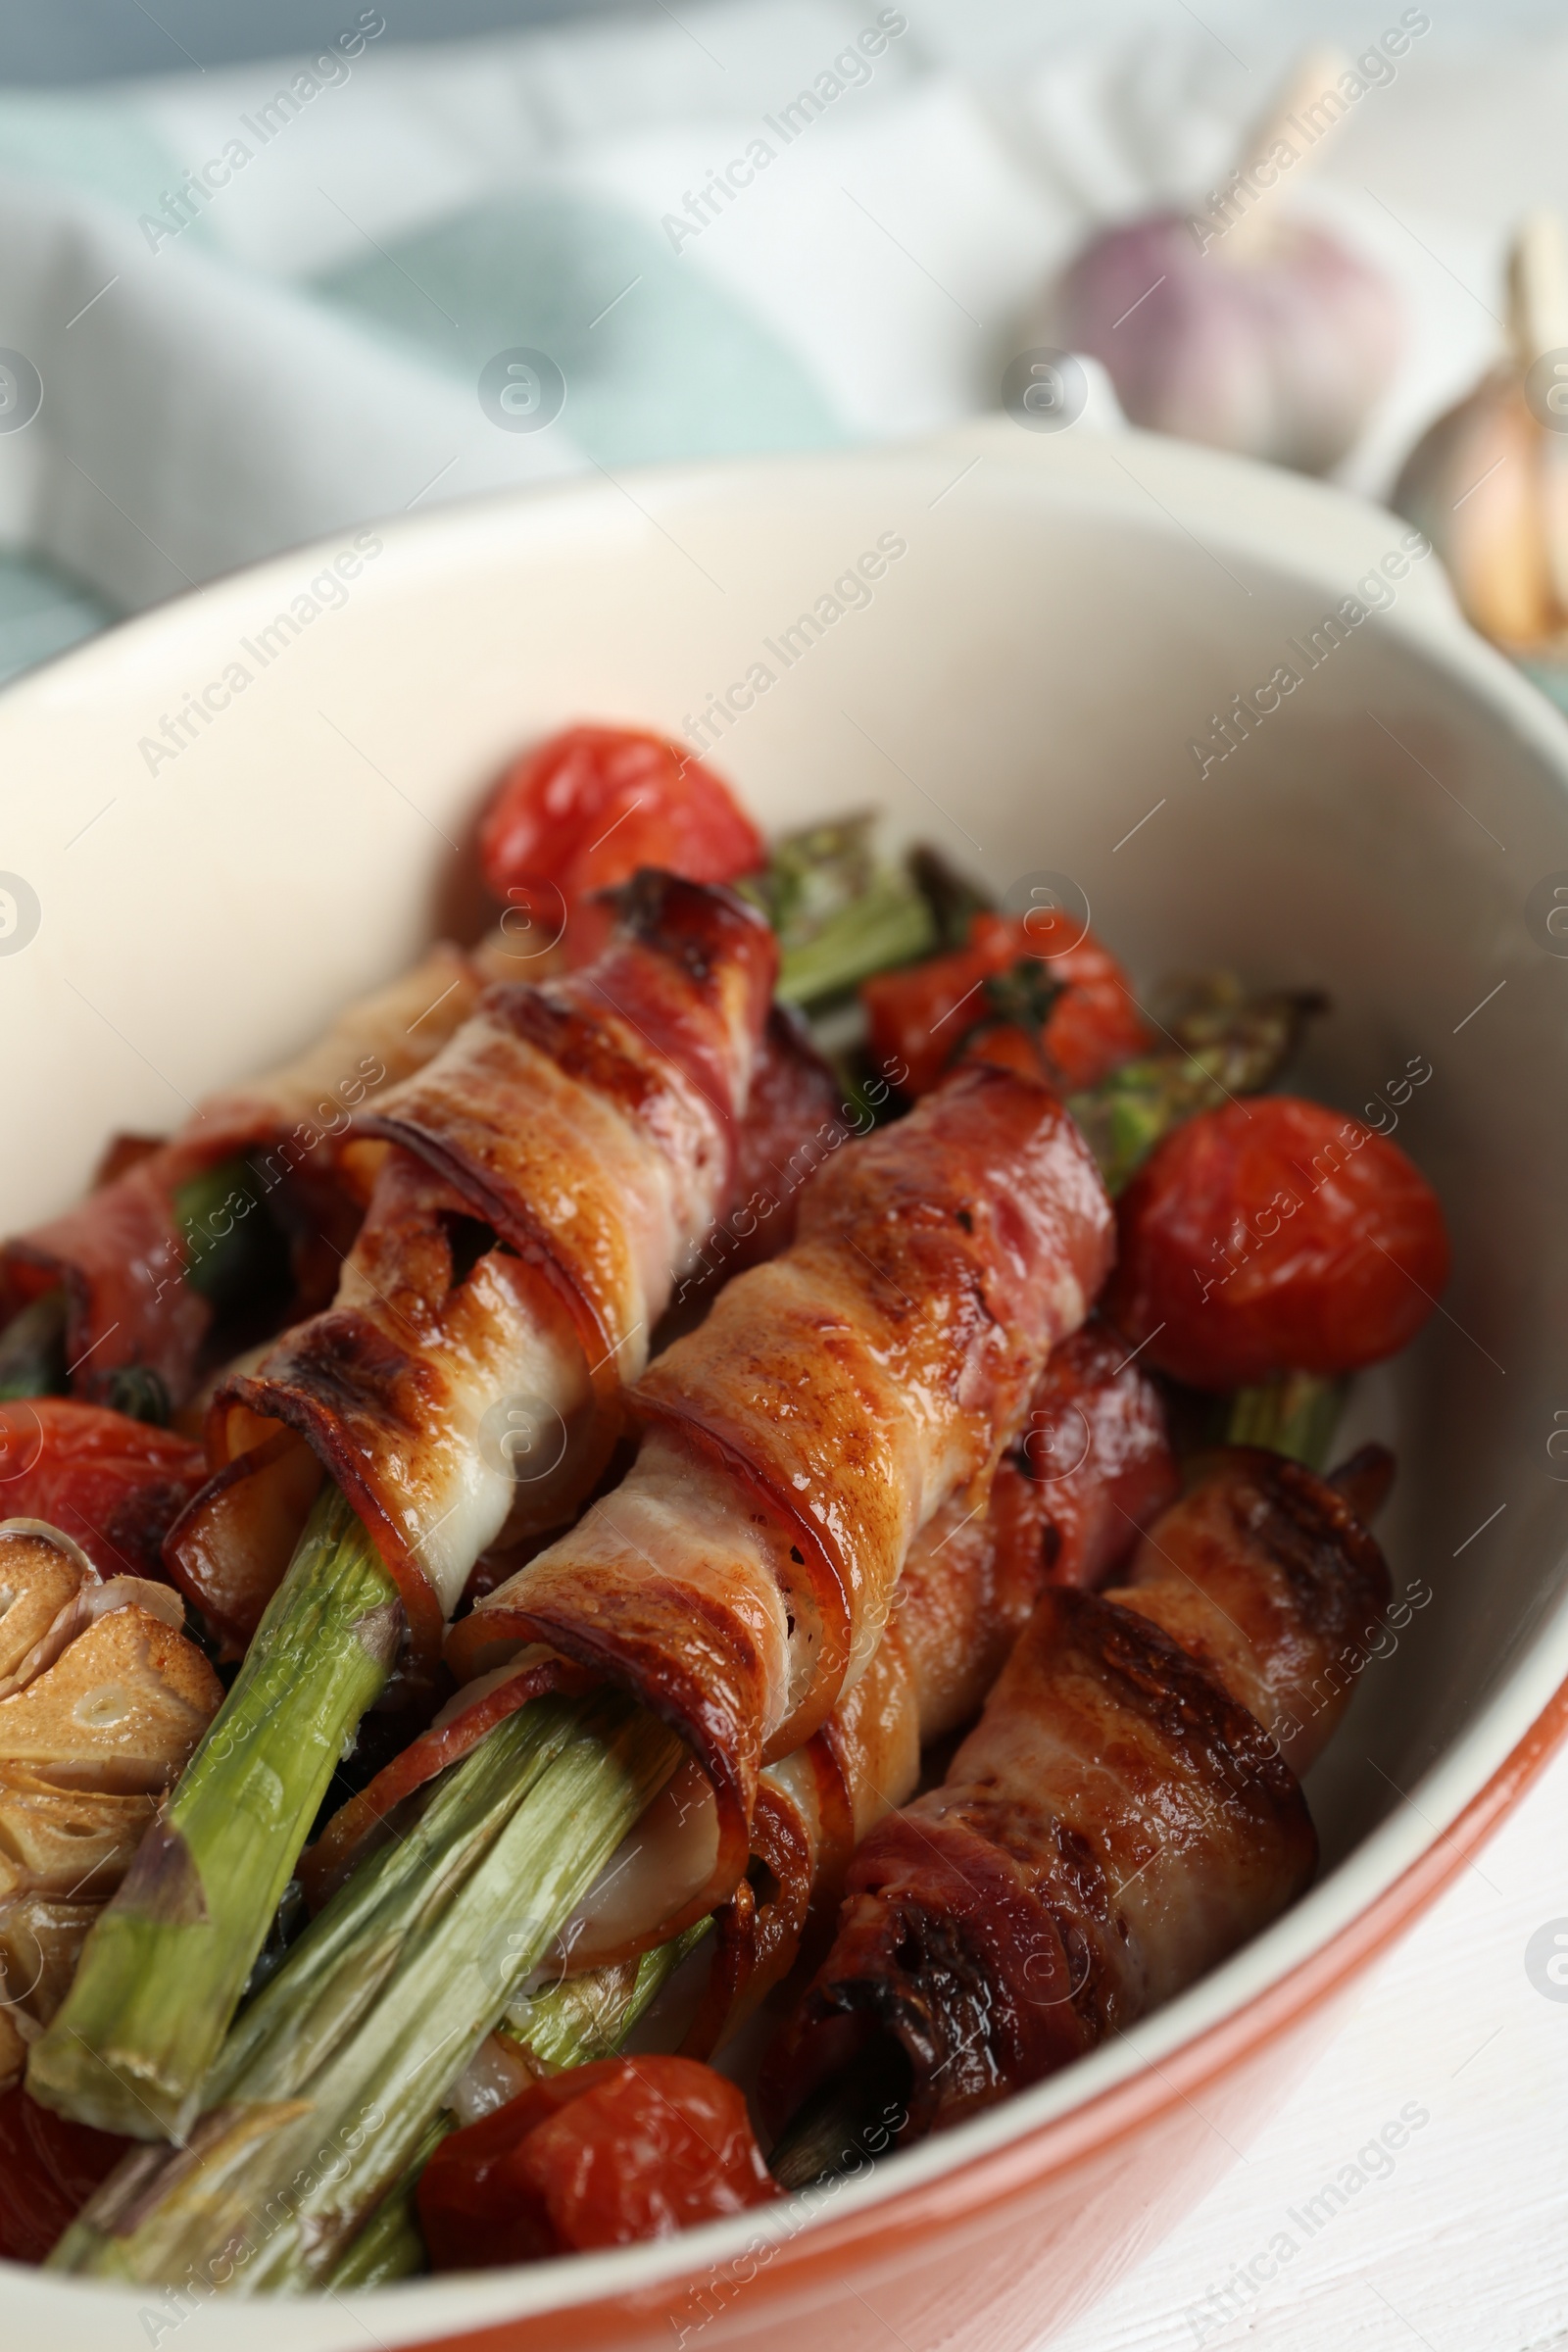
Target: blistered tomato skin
[
  {"x": 932, "y": 1013},
  {"x": 48, "y": 2169},
  {"x": 114, "y": 1483},
  {"x": 586, "y": 809},
  {"x": 1275, "y": 1235},
  {"x": 609, "y": 2154}
]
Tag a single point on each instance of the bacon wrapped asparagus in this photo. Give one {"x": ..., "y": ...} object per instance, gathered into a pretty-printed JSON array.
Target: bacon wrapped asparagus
[
  {"x": 835, "y": 1399},
  {"x": 547, "y": 1179},
  {"x": 128, "y": 1281},
  {"x": 936, "y": 1264},
  {"x": 1125, "y": 1814},
  {"x": 1089, "y": 1470}
]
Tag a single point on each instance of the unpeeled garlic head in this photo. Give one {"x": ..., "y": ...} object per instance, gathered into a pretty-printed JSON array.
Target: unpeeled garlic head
[
  {"x": 1235, "y": 324},
  {"x": 1487, "y": 482},
  {"x": 1277, "y": 350}
]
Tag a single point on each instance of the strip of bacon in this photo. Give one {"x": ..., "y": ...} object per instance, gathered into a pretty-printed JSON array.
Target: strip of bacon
[
  {"x": 740, "y": 1578},
  {"x": 121, "y": 1254},
  {"x": 553, "y": 1172},
  {"x": 1123, "y": 1815},
  {"x": 1090, "y": 1470}
]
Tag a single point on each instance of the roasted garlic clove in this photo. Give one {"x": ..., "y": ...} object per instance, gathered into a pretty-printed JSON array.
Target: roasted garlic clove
[
  {"x": 41, "y": 1573},
  {"x": 1234, "y": 325},
  {"x": 1489, "y": 481},
  {"x": 106, "y": 1702},
  {"x": 121, "y": 1709},
  {"x": 64, "y": 1842}
]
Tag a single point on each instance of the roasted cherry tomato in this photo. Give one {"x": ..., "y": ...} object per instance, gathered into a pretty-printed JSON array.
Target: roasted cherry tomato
[
  {"x": 975, "y": 1003},
  {"x": 1272, "y": 1236},
  {"x": 115, "y": 1484},
  {"x": 602, "y": 2155},
  {"x": 584, "y": 811},
  {"x": 48, "y": 2169}
]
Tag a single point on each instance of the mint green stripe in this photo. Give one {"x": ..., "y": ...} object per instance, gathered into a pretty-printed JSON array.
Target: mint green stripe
[{"x": 675, "y": 369}]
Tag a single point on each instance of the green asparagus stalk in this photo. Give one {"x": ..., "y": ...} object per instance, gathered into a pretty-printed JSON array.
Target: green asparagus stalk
[
  {"x": 164, "y": 1968},
  {"x": 329, "y": 2092},
  {"x": 954, "y": 899},
  {"x": 890, "y": 925},
  {"x": 232, "y": 1247},
  {"x": 569, "y": 2023},
  {"x": 588, "y": 2016},
  {"x": 1227, "y": 1045},
  {"x": 1295, "y": 1413},
  {"x": 840, "y": 915},
  {"x": 227, "y": 1263},
  {"x": 857, "y": 2113},
  {"x": 32, "y": 1349},
  {"x": 390, "y": 2246}
]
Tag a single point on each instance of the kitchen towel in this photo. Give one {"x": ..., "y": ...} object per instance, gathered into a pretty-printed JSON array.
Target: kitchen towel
[{"x": 255, "y": 305}]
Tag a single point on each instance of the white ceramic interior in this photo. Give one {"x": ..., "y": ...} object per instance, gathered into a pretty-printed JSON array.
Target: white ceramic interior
[{"x": 1023, "y": 688}]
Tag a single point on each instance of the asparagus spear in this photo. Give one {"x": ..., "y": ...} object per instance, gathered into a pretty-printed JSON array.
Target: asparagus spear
[
  {"x": 333, "y": 2079},
  {"x": 32, "y": 1349},
  {"x": 839, "y": 915},
  {"x": 858, "y": 2112},
  {"x": 1295, "y": 1413},
  {"x": 569, "y": 2023},
  {"x": 389, "y": 2246},
  {"x": 227, "y": 1264},
  {"x": 166, "y": 1964},
  {"x": 588, "y": 2016},
  {"x": 1226, "y": 1043}
]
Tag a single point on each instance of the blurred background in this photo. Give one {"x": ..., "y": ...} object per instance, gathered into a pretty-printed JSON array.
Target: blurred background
[{"x": 266, "y": 272}]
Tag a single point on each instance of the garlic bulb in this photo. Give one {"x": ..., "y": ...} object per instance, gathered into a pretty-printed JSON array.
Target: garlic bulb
[
  {"x": 1489, "y": 481},
  {"x": 1232, "y": 324},
  {"x": 104, "y": 1700}
]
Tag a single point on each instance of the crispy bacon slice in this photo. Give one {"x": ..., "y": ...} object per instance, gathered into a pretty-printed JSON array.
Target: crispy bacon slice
[
  {"x": 794, "y": 1118},
  {"x": 835, "y": 1399},
  {"x": 1090, "y": 1470},
  {"x": 121, "y": 1254},
  {"x": 553, "y": 1172},
  {"x": 1121, "y": 1817}
]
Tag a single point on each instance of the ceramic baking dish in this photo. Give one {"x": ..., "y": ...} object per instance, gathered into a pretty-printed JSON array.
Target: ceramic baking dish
[{"x": 236, "y": 810}]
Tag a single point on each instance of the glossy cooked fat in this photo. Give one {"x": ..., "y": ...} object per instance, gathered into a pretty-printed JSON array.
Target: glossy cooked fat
[
  {"x": 1118, "y": 1821},
  {"x": 553, "y": 1172},
  {"x": 742, "y": 1575}
]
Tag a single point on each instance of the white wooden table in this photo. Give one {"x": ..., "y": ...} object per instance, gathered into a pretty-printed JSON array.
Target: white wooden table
[{"x": 1463, "y": 2245}]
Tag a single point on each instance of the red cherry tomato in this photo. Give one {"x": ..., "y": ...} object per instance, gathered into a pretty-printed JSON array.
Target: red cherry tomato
[
  {"x": 1273, "y": 1235},
  {"x": 48, "y": 2169},
  {"x": 602, "y": 2155},
  {"x": 928, "y": 1015},
  {"x": 115, "y": 1484},
  {"x": 584, "y": 811}
]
